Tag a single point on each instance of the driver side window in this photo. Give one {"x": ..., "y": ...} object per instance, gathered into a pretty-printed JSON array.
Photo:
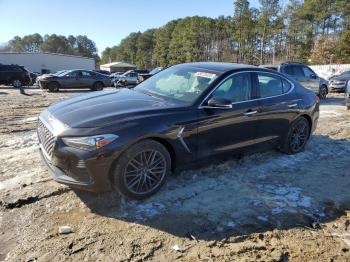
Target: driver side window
[{"x": 236, "y": 88}]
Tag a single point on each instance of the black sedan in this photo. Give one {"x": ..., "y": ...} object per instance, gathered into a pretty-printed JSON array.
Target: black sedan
[{"x": 131, "y": 140}]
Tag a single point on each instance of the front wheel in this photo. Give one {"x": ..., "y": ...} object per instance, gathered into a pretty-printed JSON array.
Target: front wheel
[
  {"x": 16, "y": 83},
  {"x": 98, "y": 86},
  {"x": 297, "y": 137},
  {"x": 323, "y": 92},
  {"x": 142, "y": 169},
  {"x": 53, "y": 87}
]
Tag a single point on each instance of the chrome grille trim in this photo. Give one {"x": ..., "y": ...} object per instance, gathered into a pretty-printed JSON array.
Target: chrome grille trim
[{"x": 46, "y": 138}]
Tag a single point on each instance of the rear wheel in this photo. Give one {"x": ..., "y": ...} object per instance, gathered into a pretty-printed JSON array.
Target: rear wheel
[
  {"x": 16, "y": 83},
  {"x": 142, "y": 169},
  {"x": 98, "y": 86},
  {"x": 53, "y": 87},
  {"x": 323, "y": 92},
  {"x": 297, "y": 137}
]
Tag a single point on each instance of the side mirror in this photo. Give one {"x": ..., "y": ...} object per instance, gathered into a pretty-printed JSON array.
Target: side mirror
[
  {"x": 313, "y": 76},
  {"x": 219, "y": 102}
]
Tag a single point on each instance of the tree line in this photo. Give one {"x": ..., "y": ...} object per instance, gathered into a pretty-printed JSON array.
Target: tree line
[
  {"x": 312, "y": 31},
  {"x": 309, "y": 31},
  {"x": 79, "y": 45}
]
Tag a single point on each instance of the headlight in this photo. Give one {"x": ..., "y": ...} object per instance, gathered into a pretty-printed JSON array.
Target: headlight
[{"x": 89, "y": 143}]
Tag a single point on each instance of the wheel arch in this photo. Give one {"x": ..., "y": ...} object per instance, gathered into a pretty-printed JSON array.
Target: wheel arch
[
  {"x": 309, "y": 119},
  {"x": 160, "y": 140},
  {"x": 54, "y": 81},
  {"x": 98, "y": 81}
]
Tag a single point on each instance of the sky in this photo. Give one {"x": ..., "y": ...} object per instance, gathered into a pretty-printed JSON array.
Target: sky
[{"x": 106, "y": 22}]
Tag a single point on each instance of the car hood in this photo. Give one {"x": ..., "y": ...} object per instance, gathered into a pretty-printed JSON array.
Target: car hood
[
  {"x": 339, "y": 78},
  {"x": 47, "y": 76},
  {"x": 104, "y": 108}
]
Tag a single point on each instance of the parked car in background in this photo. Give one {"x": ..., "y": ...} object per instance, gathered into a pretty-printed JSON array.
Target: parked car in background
[
  {"x": 143, "y": 77},
  {"x": 141, "y": 71},
  {"x": 114, "y": 74},
  {"x": 74, "y": 79},
  {"x": 132, "y": 139},
  {"x": 38, "y": 78},
  {"x": 33, "y": 77},
  {"x": 14, "y": 75},
  {"x": 304, "y": 75},
  {"x": 128, "y": 78},
  {"x": 104, "y": 72},
  {"x": 338, "y": 83},
  {"x": 347, "y": 95}
]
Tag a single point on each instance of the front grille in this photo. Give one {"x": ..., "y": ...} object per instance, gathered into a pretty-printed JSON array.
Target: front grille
[
  {"x": 46, "y": 138},
  {"x": 337, "y": 83}
]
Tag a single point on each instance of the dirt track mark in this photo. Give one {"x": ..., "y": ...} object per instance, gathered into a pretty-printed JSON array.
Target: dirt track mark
[{"x": 32, "y": 199}]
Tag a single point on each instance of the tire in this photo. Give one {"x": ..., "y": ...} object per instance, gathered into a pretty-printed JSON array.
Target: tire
[
  {"x": 142, "y": 169},
  {"x": 53, "y": 87},
  {"x": 323, "y": 92},
  {"x": 98, "y": 86},
  {"x": 297, "y": 137},
  {"x": 16, "y": 83},
  {"x": 348, "y": 107}
]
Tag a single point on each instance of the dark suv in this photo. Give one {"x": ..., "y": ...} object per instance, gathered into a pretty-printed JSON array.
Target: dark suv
[
  {"x": 304, "y": 75},
  {"x": 14, "y": 75}
]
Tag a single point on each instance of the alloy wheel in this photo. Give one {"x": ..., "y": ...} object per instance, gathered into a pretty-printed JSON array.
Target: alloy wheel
[
  {"x": 299, "y": 136},
  {"x": 16, "y": 83},
  {"x": 145, "y": 172},
  {"x": 98, "y": 86}
]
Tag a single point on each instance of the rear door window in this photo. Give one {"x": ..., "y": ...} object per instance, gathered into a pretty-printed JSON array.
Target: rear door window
[
  {"x": 288, "y": 70},
  {"x": 298, "y": 71},
  {"x": 270, "y": 85},
  {"x": 15, "y": 69},
  {"x": 85, "y": 73},
  {"x": 293, "y": 70}
]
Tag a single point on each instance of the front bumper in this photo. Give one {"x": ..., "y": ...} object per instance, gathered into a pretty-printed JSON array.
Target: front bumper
[
  {"x": 42, "y": 84},
  {"x": 78, "y": 171},
  {"x": 337, "y": 87}
]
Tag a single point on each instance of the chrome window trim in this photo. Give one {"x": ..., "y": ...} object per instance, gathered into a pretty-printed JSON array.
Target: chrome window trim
[{"x": 255, "y": 99}]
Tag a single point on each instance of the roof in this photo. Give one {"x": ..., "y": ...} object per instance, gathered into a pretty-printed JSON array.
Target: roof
[
  {"x": 46, "y": 53},
  {"x": 118, "y": 64},
  {"x": 219, "y": 67},
  {"x": 282, "y": 63}
]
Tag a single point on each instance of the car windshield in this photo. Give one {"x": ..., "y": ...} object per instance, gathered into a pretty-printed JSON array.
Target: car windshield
[
  {"x": 184, "y": 84},
  {"x": 62, "y": 72},
  {"x": 126, "y": 73}
]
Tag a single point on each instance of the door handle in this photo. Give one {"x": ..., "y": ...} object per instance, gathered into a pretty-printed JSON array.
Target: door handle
[
  {"x": 250, "y": 112},
  {"x": 292, "y": 105}
]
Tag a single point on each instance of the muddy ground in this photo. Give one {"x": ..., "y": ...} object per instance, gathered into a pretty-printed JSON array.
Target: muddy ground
[{"x": 262, "y": 207}]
